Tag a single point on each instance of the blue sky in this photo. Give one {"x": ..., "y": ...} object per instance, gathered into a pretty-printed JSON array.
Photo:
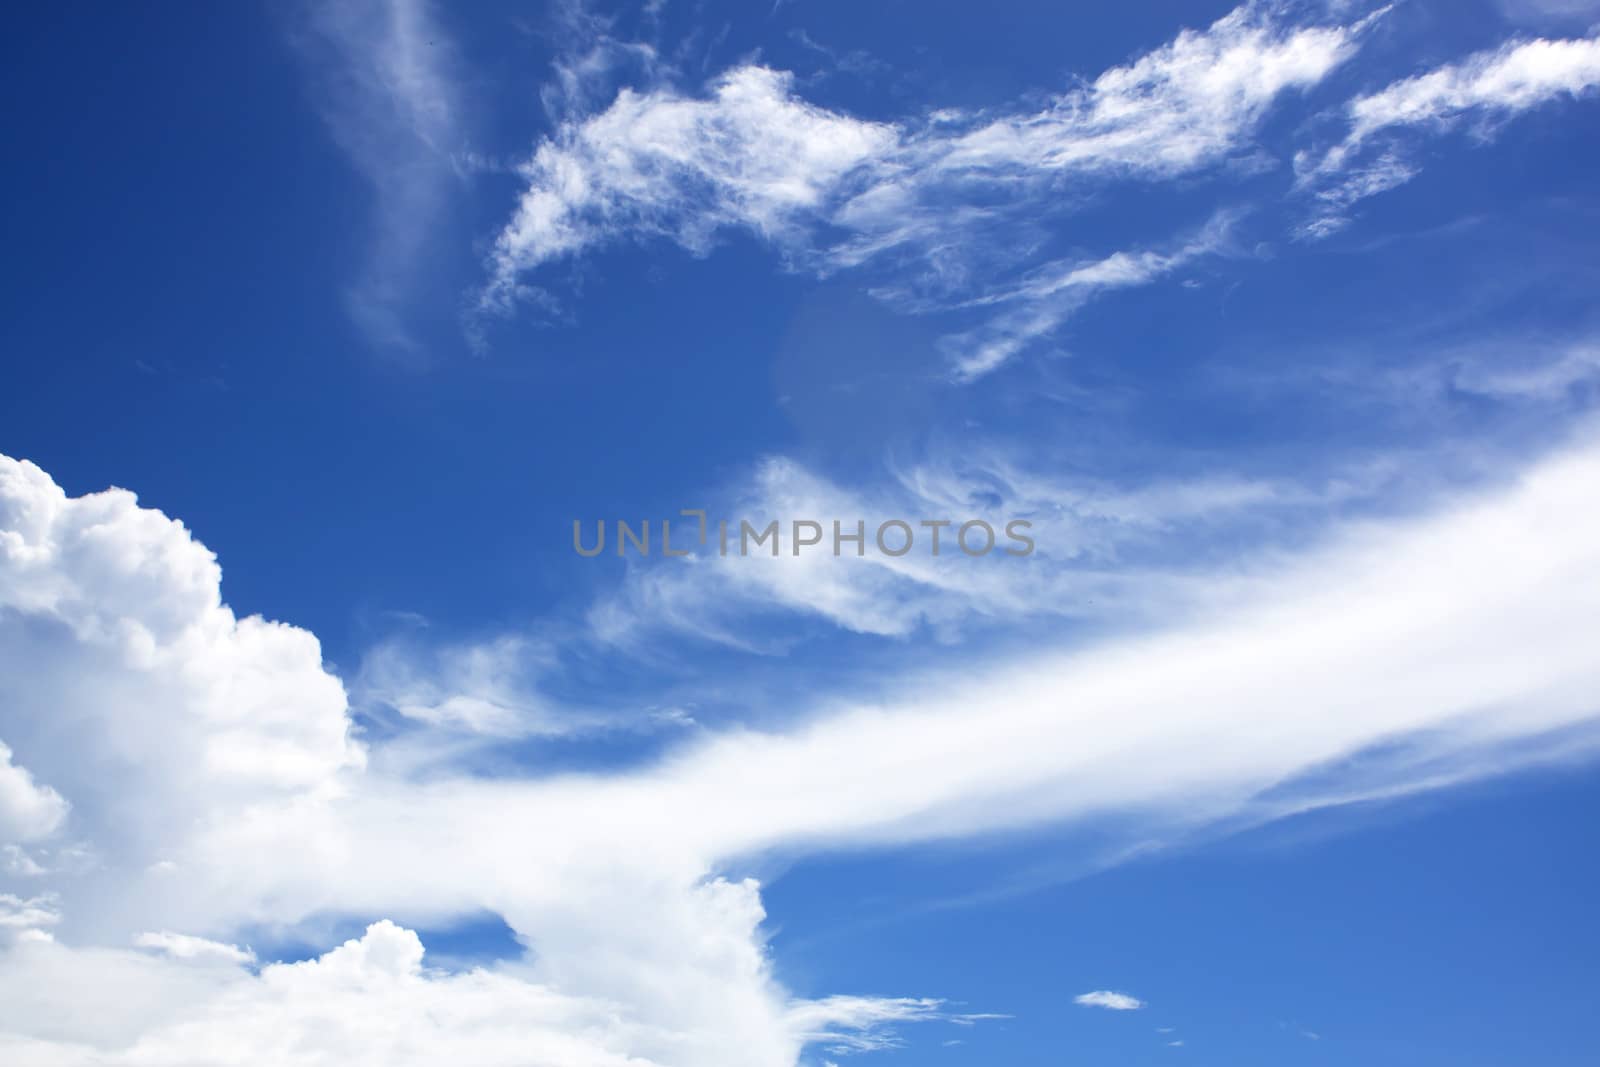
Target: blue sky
[{"x": 1275, "y": 322}]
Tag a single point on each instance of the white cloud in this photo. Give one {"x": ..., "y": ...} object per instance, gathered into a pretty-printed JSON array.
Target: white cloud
[
  {"x": 187, "y": 947},
  {"x": 942, "y": 206},
  {"x": 1048, "y": 296},
  {"x": 1489, "y": 86},
  {"x": 487, "y": 687},
  {"x": 28, "y": 811},
  {"x": 1104, "y": 998},
  {"x": 460, "y": 699},
  {"x": 188, "y": 738},
  {"x": 20, "y": 862},
  {"x": 846, "y": 1024},
  {"x": 1368, "y": 666},
  {"x": 123, "y": 676},
  {"x": 371, "y": 1002},
  {"x": 22, "y": 914},
  {"x": 1531, "y": 379},
  {"x": 1102, "y": 551},
  {"x": 750, "y": 155},
  {"x": 1177, "y": 108},
  {"x": 1515, "y": 77},
  {"x": 383, "y": 81}
]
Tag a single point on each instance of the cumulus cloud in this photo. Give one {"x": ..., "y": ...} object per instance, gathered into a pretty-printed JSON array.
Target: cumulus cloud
[
  {"x": 369, "y": 1001},
  {"x": 28, "y": 811},
  {"x": 1365, "y": 667},
  {"x": 188, "y": 738},
  {"x": 1104, "y": 998},
  {"x": 122, "y": 674}
]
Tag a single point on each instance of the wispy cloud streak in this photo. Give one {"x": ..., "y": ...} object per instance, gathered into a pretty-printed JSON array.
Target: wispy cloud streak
[
  {"x": 921, "y": 201},
  {"x": 382, "y": 79},
  {"x": 1487, "y": 87}
]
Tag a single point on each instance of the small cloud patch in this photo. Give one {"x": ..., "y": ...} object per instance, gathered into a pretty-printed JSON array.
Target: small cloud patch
[{"x": 1104, "y": 998}]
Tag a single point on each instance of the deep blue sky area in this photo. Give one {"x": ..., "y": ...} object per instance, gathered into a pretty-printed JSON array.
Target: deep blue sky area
[
  {"x": 1387, "y": 934},
  {"x": 264, "y": 267}
]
